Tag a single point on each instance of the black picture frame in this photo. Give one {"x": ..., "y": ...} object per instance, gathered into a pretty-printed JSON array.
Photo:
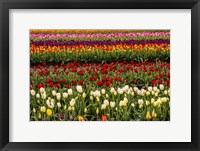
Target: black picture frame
[{"x": 5, "y": 5}]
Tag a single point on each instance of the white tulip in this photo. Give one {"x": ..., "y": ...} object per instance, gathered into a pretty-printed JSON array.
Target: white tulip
[
  {"x": 47, "y": 102},
  {"x": 43, "y": 96},
  {"x": 112, "y": 104},
  {"x": 132, "y": 104},
  {"x": 152, "y": 100},
  {"x": 42, "y": 90},
  {"x": 79, "y": 88},
  {"x": 125, "y": 100},
  {"x": 97, "y": 93},
  {"x": 155, "y": 88},
  {"x": 161, "y": 86},
  {"x": 91, "y": 98},
  {"x": 165, "y": 92},
  {"x": 91, "y": 92},
  {"x": 164, "y": 99},
  {"x": 155, "y": 103},
  {"x": 121, "y": 103},
  {"x": 53, "y": 93},
  {"x": 138, "y": 92},
  {"x": 112, "y": 90},
  {"x": 70, "y": 91},
  {"x": 103, "y": 106},
  {"x": 159, "y": 101},
  {"x": 150, "y": 89},
  {"x": 143, "y": 91},
  {"x": 103, "y": 91},
  {"x": 147, "y": 93},
  {"x": 65, "y": 95},
  {"x": 140, "y": 102},
  {"x": 37, "y": 95},
  {"x": 43, "y": 109},
  {"x": 115, "y": 93},
  {"x": 72, "y": 102},
  {"x": 125, "y": 88},
  {"x": 120, "y": 91},
  {"x": 84, "y": 95},
  {"x": 135, "y": 89},
  {"x": 106, "y": 102},
  {"x": 58, "y": 96},
  {"x": 32, "y": 92},
  {"x": 58, "y": 104}
]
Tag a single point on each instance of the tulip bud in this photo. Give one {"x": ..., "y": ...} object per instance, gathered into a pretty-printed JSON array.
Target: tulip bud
[
  {"x": 84, "y": 95},
  {"x": 148, "y": 115},
  {"x": 103, "y": 91},
  {"x": 97, "y": 111},
  {"x": 34, "y": 110},
  {"x": 39, "y": 116},
  {"x": 91, "y": 98},
  {"x": 37, "y": 95},
  {"x": 85, "y": 110}
]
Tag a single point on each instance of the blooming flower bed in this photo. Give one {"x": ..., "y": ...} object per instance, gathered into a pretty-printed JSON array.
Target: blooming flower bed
[{"x": 99, "y": 75}]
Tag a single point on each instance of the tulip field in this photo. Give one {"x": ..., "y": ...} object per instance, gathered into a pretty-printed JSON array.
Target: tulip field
[{"x": 99, "y": 75}]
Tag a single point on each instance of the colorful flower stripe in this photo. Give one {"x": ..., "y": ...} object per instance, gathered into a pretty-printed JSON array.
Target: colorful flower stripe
[
  {"x": 115, "y": 104},
  {"x": 91, "y": 43},
  {"x": 120, "y": 39},
  {"x": 100, "y": 35},
  {"x": 138, "y": 53},
  {"x": 91, "y": 31},
  {"x": 91, "y": 75},
  {"x": 85, "y": 48}
]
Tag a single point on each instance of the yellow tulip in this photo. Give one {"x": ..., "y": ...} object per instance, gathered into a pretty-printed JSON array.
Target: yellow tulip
[
  {"x": 49, "y": 112},
  {"x": 148, "y": 115}
]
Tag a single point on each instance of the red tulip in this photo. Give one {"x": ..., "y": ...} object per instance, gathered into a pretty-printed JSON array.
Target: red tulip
[
  {"x": 99, "y": 83},
  {"x": 103, "y": 118},
  {"x": 67, "y": 86},
  {"x": 81, "y": 82}
]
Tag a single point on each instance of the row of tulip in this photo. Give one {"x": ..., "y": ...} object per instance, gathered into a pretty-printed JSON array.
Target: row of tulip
[
  {"x": 89, "y": 31},
  {"x": 115, "y": 104},
  {"x": 99, "y": 53},
  {"x": 91, "y": 76},
  {"x": 101, "y": 36}
]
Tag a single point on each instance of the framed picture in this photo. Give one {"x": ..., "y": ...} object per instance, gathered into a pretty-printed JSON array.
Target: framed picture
[{"x": 99, "y": 75}]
